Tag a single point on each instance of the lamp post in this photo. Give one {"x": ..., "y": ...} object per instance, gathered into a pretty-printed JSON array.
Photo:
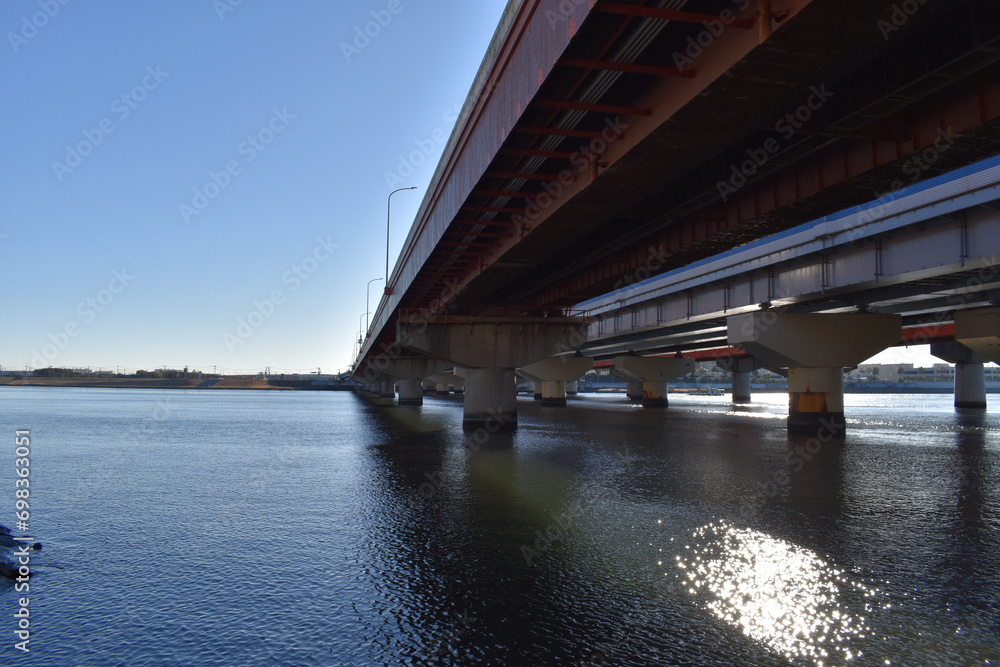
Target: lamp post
[
  {"x": 388, "y": 209},
  {"x": 367, "y": 298}
]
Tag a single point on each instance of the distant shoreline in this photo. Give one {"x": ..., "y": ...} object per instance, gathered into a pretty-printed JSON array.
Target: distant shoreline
[
  {"x": 165, "y": 383},
  {"x": 306, "y": 385}
]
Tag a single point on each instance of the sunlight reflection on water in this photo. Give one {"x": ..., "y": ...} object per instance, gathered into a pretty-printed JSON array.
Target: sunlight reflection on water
[{"x": 776, "y": 593}]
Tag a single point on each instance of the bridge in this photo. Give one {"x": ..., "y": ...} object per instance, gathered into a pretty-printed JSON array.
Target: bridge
[{"x": 606, "y": 142}]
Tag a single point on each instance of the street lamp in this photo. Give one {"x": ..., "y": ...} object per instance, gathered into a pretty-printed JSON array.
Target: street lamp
[
  {"x": 367, "y": 297},
  {"x": 388, "y": 208}
]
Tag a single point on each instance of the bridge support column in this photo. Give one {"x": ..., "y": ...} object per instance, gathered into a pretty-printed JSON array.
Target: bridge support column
[
  {"x": 970, "y": 376},
  {"x": 815, "y": 348},
  {"x": 816, "y": 398},
  {"x": 442, "y": 382},
  {"x": 633, "y": 390},
  {"x": 387, "y": 389},
  {"x": 970, "y": 386},
  {"x": 554, "y": 393},
  {"x": 740, "y": 368},
  {"x": 573, "y": 387},
  {"x": 654, "y": 394},
  {"x": 741, "y": 386},
  {"x": 411, "y": 392},
  {"x": 551, "y": 375},
  {"x": 652, "y": 373},
  {"x": 490, "y": 399},
  {"x": 536, "y": 391},
  {"x": 487, "y": 350}
]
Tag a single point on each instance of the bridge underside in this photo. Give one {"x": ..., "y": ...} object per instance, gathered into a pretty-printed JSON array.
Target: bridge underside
[{"x": 675, "y": 169}]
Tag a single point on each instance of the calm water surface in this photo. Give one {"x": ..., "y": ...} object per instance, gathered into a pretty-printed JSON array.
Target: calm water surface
[{"x": 298, "y": 528}]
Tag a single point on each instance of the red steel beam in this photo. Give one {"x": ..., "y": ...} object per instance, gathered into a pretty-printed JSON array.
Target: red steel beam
[
  {"x": 530, "y": 152},
  {"x": 519, "y": 174},
  {"x": 560, "y": 132},
  {"x": 586, "y": 63},
  {"x": 492, "y": 209},
  {"x": 596, "y": 108},
  {"x": 487, "y": 223},
  {"x": 672, "y": 15},
  {"x": 499, "y": 235},
  {"x": 502, "y": 193}
]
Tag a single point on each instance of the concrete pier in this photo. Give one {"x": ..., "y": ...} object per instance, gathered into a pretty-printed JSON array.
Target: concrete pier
[
  {"x": 411, "y": 392},
  {"x": 552, "y": 374},
  {"x": 970, "y": 376},
  {"x": 490, "y": 399},
  {"x": 653, "y": 373},
  {"x": 815, "y": 347},
  {"x": 486, "y": 351}
]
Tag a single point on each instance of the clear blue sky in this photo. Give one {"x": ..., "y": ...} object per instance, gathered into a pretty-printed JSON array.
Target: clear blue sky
[
  {"x": 96, "y": 241},
  {"x": 203, "y": 183}
]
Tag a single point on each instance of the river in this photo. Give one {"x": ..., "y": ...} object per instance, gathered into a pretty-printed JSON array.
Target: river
[{"x": 314, "y": 528}]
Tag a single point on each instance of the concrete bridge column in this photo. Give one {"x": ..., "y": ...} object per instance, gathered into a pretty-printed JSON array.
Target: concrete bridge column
[
  {"x": 653, "y": 373},
  {"x": 442, "y": 382},
  {"x": 970, "y": 386},
  {"x": 740, "y": 368},
  {"x": 486, "y": 352},
  {"x": 815, "y": 347},
  {"x": 411, "y": 392},
  {"x": 573, "y": 387},
  {"x": 554, "y": 393},
  {"x": 815, "y": 398},
  {"x": 553, "y": 374},
  {"x": 410, "y": 372},
  {"x": 490, "y": 399},
  {"x": 387, "y": 389},
  {"x": 970, "y": 376},
  {"x": 741, "y": 386},
  {"x": 536, "y": 391},
  {"x": 633, "y": 390}
]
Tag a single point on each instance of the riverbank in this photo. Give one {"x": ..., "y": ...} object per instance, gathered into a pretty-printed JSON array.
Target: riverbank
[{"x": 159, "y": 383}]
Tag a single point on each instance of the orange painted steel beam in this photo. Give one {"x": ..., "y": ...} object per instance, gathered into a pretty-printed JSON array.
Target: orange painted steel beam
[{"x": 929, "y": 333}]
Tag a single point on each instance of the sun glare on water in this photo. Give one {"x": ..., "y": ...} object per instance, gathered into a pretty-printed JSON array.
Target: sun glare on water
[{"x": 776, "y": 593}]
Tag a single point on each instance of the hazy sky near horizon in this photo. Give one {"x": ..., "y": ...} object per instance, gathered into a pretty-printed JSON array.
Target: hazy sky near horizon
[
  {"x": 204, "y": 183},
  {"x": 169, "y": 169}
]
